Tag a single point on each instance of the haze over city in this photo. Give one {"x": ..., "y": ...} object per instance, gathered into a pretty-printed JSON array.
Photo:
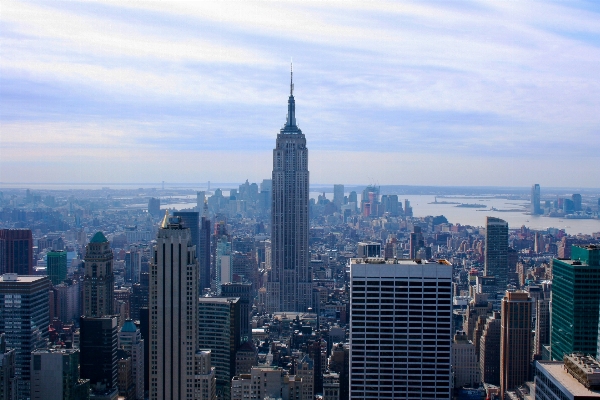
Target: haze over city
[{"x": 423, "y": 93}]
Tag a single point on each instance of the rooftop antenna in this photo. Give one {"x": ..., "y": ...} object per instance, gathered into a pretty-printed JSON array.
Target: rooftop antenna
[{"x": 291, "y": 77}]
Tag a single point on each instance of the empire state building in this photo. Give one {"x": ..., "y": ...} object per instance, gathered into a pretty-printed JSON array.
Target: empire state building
[{"x": 289, "y": 286}]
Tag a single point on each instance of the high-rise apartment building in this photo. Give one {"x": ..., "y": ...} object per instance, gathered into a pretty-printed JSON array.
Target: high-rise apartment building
[
  {"x": 400, "y": 321},
  {"x": 489, "y": 350},
  {"x": 173, "y": 312},
  {"x": 56, "y": 266},
  {"x": 219, "y": 322},
  {"x": 535, "y": 200},
  {"x": 515, "y": 340},
  {"x": 99, "y": 279},
  {"x": 542, "y": 320},
  {"x": 575, "y": 300},
  {"x": 289, "y": 284},
  {"x": 55, "y": 375},
  {"x": 16, "y": 251},
  {"x": 464, "y": 361},
  {"x": 130, "y": 340},
  {"x": 496, "y": 252},
  {"x": 205, "y": 386},
  {"x": 24, "y": 318}
]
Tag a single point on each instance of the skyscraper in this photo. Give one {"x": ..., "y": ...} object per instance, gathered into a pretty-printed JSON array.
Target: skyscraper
[
  {"x": 56, "y": 266},
  {"x": 133, "y": 264},
  {"x": 204, "y": 249},
  {"x": 16, "y": 251},
  {"x": 98, "y": 358},
  {"x": 190, "y": 220},
  {"x": 24, "y": 318},
  {"x": 154, "y": 207},
  {"x": 400, "y": 319},
  {"x": 489, "y": 350},
  {"x": 99, "y": 279},
  {"x": 219, "y": 319},
  {"x": 496, "y": 252},
  {"x": 173, "y": 312},
  {"x": 515, "y": 340},
  {"x": 130, "y": 339},
  {"x": 575, "y": 302},
  {"x": 338, "y": 196},
  {"x": 289, "y": 286},
  {"x": 535, "y": 200}
]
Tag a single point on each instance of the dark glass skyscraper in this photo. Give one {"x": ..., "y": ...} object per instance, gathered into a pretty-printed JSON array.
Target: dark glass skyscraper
[
  {"x": 575, "y": 302},
  {"x": 289, "y": 287},
  {"x": 496, "y": 252},
  {"x": 16, "y": 251}
]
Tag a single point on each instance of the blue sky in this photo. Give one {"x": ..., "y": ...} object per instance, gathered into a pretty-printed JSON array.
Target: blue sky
[{"x": 435, "y": 93}]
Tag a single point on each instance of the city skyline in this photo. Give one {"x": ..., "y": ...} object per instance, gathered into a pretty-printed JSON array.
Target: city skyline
[{"x": 385, "y": 87}]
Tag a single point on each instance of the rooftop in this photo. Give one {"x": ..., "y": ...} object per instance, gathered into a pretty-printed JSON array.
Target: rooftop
[
  {"x": 99, "y": 238},
  {"x": 10, "y": 277},
  {"x": 557, "y": 370},
  {"x": 400, "y": 261}
]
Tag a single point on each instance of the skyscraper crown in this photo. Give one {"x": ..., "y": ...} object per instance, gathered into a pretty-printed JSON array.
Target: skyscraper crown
[{"x": 290, "y": 123}]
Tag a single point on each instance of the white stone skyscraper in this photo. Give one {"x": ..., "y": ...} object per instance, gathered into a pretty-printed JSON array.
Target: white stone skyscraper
[
  {"x": 289, "y": 287},
  {"x": 173, "y": 312}
]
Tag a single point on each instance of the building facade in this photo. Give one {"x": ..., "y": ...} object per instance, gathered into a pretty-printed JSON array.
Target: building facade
[
  {"x": 289, "y": 286},
  {"x": 464, "y": 362},
  {"x": 173, "y": 312},
  {"x": 24, "y": 319},
  {"x": 130, "y": 340},
  {"x": 99, "y": 279},
  {"x": 515, "y": 340},
  {"x": 219, "y": 322},
  {"x": 400, "y": 322},
  {"x": 489, "y": 350},
  {"x": 56, "y": 266},
  {"x": 98, "y": 355},
  {"x": 496, "y": 252},
  {"x": 575, "y": 300},
  {"x": 204, "y": 249},
  {"x": 535, "y": 208},
  {"x": 55, "y": 375},
  {"x": 16, "y": 251}
]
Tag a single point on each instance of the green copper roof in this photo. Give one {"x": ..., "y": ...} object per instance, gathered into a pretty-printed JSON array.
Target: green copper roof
[
  {"x": 99, "y": 238},
  {"x": 129, "y": 326}
]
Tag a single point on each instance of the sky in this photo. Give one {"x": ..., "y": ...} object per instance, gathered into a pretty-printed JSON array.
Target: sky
[{"x": 470, "y": 93}]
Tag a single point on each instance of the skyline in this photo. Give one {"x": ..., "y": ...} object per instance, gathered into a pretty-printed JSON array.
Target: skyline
[{"x": 501, "y": 93}]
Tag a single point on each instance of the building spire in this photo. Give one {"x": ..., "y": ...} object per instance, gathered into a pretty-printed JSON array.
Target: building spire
[
  {"x": 291, "y": 116},
  {"x": 291, "y": 78}
]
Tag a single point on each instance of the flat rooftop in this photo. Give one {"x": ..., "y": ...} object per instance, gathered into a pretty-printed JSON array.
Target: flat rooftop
[
  {"x": 398, "y": 261},
  {"x": 14, "y": 278},
  {"x": 558, "y": 371}
]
